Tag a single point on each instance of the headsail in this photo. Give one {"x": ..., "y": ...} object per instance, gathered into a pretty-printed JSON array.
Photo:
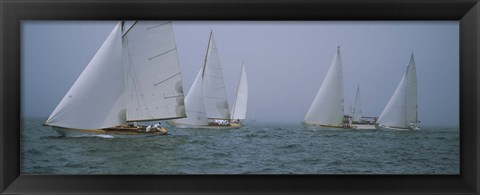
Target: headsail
[
  {"x": 239, "y": 109},
  {"x": 357, "y": 109},
  {"x": 401, "y": 110},
  {"x": 194, "y": 102},
  {"x": 216, "y": 104},
  {"x": 327, "y": 107},
  {"x": 96, "y": 99},
  {"x": 153, "y": 81}
]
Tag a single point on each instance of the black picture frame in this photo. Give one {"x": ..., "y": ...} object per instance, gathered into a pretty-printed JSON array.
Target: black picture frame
[{"x": 467, "y": 12}]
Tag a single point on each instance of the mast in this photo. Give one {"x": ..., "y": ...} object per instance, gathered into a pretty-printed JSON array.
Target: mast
[{"x": 206, "y": 53}]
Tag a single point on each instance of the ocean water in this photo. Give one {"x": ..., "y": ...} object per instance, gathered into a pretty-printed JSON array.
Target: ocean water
[{"x": 257, "y": 148}]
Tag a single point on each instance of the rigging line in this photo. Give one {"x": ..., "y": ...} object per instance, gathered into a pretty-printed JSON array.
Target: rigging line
[
  {"x": 148, "y": 28},
  {"x": 138, "y": 91},
  {"x": 162, "y": 53},
  {"x": 166, "y": 79}
]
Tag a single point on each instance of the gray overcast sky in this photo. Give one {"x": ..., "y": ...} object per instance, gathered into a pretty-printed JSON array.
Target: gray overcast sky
[{"x": 285, "y": 62}]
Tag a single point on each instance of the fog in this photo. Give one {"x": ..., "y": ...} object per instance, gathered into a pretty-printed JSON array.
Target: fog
[{"x": 285, "y": 62}]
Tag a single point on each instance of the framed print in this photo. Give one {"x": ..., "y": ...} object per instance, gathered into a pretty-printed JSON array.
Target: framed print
[{"x": 392, "y": 83}]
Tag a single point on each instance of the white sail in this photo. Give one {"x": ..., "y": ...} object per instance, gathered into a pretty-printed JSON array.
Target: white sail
[
  {"x": 132, "y": 77},
  {"x": 153, "y": 81},
  {"x": 401, "y": 109},
  {"x": 327, "y": 107},
  {"x": 216, "y": 104},
  {"x": 96, "y": 98},
  {"x": 194, "y": 103},
  {"x": 357, "y": 109},
  {"x": 239, "y": 109}
]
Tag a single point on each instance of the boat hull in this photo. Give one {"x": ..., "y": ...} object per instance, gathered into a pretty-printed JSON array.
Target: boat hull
[
  {"x": 311, "y": 126},
  {"x": 186, "y": 126},
  {"x": 364, "y": 127},
  {"x": 106, "y": 133},
  {"x": 383, "y": 127}
]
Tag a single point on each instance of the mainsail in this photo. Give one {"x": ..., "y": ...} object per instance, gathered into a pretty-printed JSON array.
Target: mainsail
[
  {"x": 154, "y": 85},
  {"x": 327, "y": 107},
  {"x": 401, "y": 110},
  {"x": 216, "y": 104},
  {"x": 132, "y": 77},
  {"x": 239, "y": 109}
]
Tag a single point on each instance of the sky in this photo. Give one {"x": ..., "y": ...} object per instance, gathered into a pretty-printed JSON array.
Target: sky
[{"x": 285, "y": 62}]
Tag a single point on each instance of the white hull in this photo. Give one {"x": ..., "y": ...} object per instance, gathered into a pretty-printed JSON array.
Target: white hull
[
  {"x": 383, "y": 127},
  {"x": 101, "y": 133},
  {"x": 364, "y": 127},
  {"x": 185, "y": 126},
  {"x": 310, "y": 126}
]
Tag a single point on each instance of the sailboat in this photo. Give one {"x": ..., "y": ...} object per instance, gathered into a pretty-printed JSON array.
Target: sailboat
[
  {"x": 206, "y": 103},
  {"x": 326, "y": 111},
  {"x": 357, "y": 118},
  {"x": 401, "y": 111},
  {"x": 133, "y": 77},
  {"x": 239, "y": 109}
]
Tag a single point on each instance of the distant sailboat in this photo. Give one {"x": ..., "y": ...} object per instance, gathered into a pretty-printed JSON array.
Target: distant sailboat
[
  {"x": 133, "y": 77},
  {"x": 206, "y": 102},
  {"x": 239, "y": 109},
  {"x": 401, "y": 111},
  {"x": 326, "y": 111},
  {"x": 358, "y": 120}
]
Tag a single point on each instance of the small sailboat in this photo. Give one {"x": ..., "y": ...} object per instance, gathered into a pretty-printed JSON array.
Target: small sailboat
[
  {"x": 206, "y": 102},
  {"x": 358, "y": 120},
  {"x": 327, "y": 110},
  {"x": 133, "y": 77},
  {"x": 239, "y": 109},
  {"x": 401, "y": 111}
]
